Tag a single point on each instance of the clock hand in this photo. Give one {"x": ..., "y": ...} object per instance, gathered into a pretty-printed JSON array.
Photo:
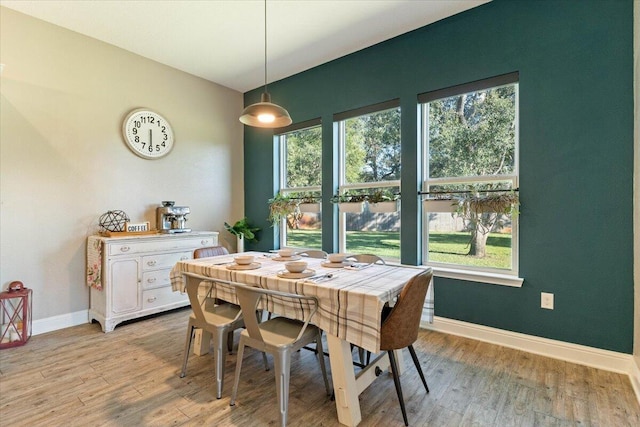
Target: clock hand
[{"x": 150, "y": 137}]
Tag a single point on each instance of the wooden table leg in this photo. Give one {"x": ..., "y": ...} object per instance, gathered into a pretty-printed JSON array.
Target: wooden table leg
[{"x": 344, "y": 381}]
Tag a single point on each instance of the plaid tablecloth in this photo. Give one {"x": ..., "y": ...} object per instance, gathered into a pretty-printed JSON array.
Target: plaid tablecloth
[{"x": 350, "y": 303}]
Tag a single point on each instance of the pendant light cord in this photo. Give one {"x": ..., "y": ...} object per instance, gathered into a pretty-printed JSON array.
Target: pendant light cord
[{"x": 265, "y": 46}]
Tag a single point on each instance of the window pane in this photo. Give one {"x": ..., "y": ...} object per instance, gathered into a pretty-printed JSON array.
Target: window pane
[
  {"x": 301, "y": 180},
  {"x": 473, "y": 134},
  {"x": 372, "y": 147},
  {"x": 304, "y": 158},
  {"x": 373, "y": 233},
  {"x": 471, "y": 144},
  {"x": 451, "y": 241},
  {"x": 308, "y": 233}
]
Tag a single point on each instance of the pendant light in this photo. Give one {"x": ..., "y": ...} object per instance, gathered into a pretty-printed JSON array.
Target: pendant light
[{"x": 265, "y": 114}]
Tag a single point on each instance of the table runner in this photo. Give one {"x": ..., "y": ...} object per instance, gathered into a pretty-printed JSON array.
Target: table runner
[{"x": 350, "y": 303}]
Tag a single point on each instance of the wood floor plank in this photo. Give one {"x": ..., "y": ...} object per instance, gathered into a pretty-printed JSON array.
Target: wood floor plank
[{"x": 130, "y": 377}]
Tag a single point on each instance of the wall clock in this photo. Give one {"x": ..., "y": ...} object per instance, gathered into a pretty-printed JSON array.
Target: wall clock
[{"x": 147, "y": 133}]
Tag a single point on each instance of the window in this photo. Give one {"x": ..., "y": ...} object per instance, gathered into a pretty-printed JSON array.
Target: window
[
  {"x": 369, "y": 141},
  {"x": 301, "y": 178},
  {"x": 470, "y": 135}
]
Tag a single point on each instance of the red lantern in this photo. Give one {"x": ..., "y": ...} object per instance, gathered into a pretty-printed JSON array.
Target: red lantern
[{"x": 15, "y": 316}]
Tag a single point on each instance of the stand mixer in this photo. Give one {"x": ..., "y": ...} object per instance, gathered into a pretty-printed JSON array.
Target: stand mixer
[{"x": 172, "y": 219}]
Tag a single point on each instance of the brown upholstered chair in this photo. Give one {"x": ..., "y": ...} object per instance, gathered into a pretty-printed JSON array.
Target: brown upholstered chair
[
  {"x": 401, "y": 325},
  {"x": 210, "y": 251}
]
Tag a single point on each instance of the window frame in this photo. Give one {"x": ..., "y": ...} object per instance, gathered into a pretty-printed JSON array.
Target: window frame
[
  {"x": 339, "y": 131},
  {"x": 491, "y": 275},
  {"x": 280, "y": 136}
]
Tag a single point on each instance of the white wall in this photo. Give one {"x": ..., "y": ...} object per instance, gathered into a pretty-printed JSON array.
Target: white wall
[{"x": 64, "y": 162}]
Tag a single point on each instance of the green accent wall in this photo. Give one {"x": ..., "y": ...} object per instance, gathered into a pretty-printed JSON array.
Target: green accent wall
[{"x": 575, "y": 60}]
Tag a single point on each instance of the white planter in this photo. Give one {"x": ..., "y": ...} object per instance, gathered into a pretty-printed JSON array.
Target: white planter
[
  {"x": 351, "y": 207},
  {"x": 309, "y": 207},
  {"x": 382, "y": 207},
  {"x": 240, "y": 243},
  {"x": 440, "y": 205}
]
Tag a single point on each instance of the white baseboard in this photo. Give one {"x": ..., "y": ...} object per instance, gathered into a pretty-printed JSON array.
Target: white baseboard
[
  {"x": 42, "y": 326},
  {"x": 602, "y": 359}
]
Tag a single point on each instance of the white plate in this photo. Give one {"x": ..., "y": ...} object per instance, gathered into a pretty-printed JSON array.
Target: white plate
[
  {"x": 289, "y": 275},
  {"x": 252, "y": 266},
  {"x": 287, "y": 258},
  {"x": 335, "y": 264}
]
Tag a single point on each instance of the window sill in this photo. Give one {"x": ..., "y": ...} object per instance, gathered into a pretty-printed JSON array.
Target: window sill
[{"x": 476, "y": 276}]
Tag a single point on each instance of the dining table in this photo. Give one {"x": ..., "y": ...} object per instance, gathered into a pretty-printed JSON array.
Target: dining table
[{"x": 350, "y": 297}]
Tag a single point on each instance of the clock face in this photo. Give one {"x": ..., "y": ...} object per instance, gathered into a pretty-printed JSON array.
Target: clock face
[{"x": 147, "y": 134}]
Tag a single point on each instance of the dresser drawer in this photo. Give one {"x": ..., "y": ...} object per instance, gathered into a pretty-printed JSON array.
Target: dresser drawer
[
  {"x": 156, "y": 278},
  {"x": 154, "y": 262},
  {"x": 161, "y": 296},
  {"x": 160, "y": 244}
]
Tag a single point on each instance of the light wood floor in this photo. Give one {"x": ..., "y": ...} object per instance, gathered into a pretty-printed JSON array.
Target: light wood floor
[{"x": 81, "y": 377}]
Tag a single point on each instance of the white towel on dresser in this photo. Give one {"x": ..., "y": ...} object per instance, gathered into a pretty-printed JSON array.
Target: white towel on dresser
[{"x": 94, "y": 262}]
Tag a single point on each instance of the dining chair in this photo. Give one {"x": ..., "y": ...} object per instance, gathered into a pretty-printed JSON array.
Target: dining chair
[
  {"x": 314, "y": 254},
  {"x": 206, "y": 253},
  {"x": 210, "y": 251},
  {"x": 218, "y": 319},
  {"x": 279, "y": 336},
  {"x": 400, "y": 326},
  {"x": 368, "y": 258}
]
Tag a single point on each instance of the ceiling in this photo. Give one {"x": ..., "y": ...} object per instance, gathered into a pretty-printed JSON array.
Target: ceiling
[{"x": 223, "y": 40}]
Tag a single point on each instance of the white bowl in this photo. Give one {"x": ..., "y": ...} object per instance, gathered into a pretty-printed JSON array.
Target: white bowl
[
  {"x": 244, "y": 259},
  {"x": 286, "y": 253},
  {"x": 336, "y": 257},
  {"x": 296, "y": 266}
]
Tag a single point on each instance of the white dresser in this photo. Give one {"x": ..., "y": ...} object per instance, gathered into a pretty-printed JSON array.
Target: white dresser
[{"x": 129, "y": 276}]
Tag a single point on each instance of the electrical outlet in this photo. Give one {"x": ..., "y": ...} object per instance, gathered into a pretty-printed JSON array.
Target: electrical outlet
[{"x": 546, "y": 300}]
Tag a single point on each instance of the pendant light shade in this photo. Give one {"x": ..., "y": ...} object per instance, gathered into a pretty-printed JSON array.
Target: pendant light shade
[{"x": 265, "y": 114}]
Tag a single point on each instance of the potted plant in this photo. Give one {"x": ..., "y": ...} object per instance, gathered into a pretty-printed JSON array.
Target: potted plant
[
  {"x": 383, "y": 201},
  {"x": 475, "y": 203},
  {"x": 280, "y": 207},
  {"x": 351, "y": 203},
  {"x": 309, "y": 203},
  {"x": 243, "y": 231},
  {"x": 440, "y": 205}
]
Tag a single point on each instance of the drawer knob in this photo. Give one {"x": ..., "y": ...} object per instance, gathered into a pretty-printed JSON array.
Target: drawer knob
[
  {"x": 151, "y": 280},
  {"x": 204, "y": 242},
  {"x": 124, "y": 249},
  {"x": 151, "y": 263},
  {"x": 152, "y": 299}
]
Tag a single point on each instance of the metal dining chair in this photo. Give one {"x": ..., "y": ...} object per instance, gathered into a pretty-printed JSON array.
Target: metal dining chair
[
  {"x": 279, "y": 336},
  {"x": 368, "y": 258},
  {"x": 211, "y": 251},
  {"x": 220, "y": 320},
  {"x": 313, "y": 254},
  {"x": 400, "y": 326}
]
